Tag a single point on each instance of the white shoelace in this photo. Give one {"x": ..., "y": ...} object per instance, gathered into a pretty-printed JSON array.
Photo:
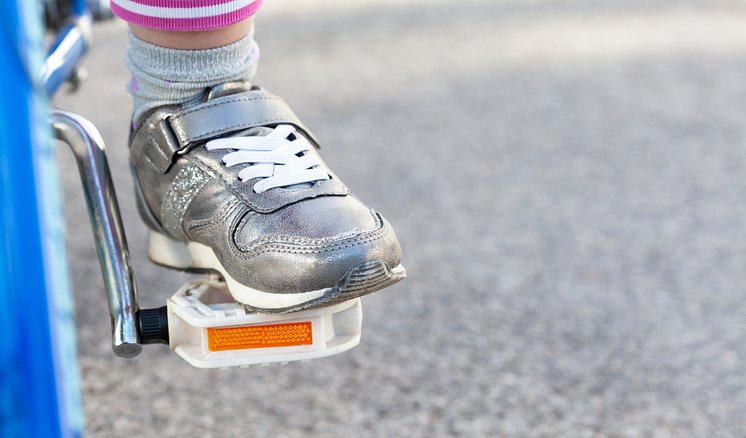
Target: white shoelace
[{"x": 272, "y": 157}]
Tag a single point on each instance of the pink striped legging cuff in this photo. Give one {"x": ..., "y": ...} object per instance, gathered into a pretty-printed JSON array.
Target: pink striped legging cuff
[{"x": 185, "y": 15}]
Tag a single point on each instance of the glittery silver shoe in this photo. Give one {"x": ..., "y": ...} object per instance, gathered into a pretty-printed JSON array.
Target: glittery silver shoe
[{"x": 235, "y": 185}]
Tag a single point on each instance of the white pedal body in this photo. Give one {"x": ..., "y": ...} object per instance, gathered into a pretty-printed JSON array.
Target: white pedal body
[{"x": 210, "y": 330}]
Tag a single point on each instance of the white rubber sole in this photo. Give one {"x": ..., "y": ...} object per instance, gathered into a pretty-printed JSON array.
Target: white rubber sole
[{"x": 358, "y": 281}]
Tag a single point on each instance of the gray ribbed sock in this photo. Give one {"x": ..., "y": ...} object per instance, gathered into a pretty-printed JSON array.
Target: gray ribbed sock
[{"x": 162, "y": 76}]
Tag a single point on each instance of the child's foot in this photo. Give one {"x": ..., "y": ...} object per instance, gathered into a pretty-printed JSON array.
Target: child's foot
[{"x": 235, "y": 185}]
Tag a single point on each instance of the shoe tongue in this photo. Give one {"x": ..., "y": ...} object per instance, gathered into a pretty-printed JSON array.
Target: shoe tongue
[
  {"x": 259, "y": 131},
  {"x": 226, "y": 89}
]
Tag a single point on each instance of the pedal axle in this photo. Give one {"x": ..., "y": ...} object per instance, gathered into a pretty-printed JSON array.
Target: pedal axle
[{"x": 154, "y": 325}]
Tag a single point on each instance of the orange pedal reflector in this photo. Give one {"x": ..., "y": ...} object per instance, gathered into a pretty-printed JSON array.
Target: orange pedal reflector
[{"x": 260, "y": 336}]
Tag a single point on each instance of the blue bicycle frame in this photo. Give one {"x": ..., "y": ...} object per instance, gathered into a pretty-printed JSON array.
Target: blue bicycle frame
[{"x": 39, "y": 376}]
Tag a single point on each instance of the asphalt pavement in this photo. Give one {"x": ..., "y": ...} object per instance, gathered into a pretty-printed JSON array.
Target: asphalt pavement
[{"x": 567, "y": 180}]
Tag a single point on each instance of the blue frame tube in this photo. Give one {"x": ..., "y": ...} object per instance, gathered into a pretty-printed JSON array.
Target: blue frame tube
[
  {"x": 80, "y": 7},
  {"x": 39, "y": 377},
  {"x": 71, "y": 44}
]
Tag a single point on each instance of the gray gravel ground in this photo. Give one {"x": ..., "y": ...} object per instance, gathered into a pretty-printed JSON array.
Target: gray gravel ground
[{"x": 567, "y": 182}]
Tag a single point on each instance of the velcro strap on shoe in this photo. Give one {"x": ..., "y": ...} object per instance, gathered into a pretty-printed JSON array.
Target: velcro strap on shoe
[
  {"x": 155, "y": 142},
  {"x": 232, "y": 113},
  {"x": 166, "y": 132}
]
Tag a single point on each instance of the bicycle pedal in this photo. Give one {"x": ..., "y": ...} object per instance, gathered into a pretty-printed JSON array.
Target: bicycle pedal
[{"x": 210, "y": 330}]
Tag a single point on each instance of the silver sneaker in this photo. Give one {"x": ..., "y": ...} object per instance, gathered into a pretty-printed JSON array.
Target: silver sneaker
[{"x": 235, "y": 185}]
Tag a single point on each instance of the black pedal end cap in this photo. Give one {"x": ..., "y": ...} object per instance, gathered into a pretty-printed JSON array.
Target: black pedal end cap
[{"x": 154, "y": 326}]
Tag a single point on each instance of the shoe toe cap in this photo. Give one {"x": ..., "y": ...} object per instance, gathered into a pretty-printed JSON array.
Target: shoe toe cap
[{"x": 312, "y": 247}]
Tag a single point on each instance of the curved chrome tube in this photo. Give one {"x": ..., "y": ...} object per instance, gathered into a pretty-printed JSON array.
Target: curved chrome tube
[{"x": 108, "y": 232}]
